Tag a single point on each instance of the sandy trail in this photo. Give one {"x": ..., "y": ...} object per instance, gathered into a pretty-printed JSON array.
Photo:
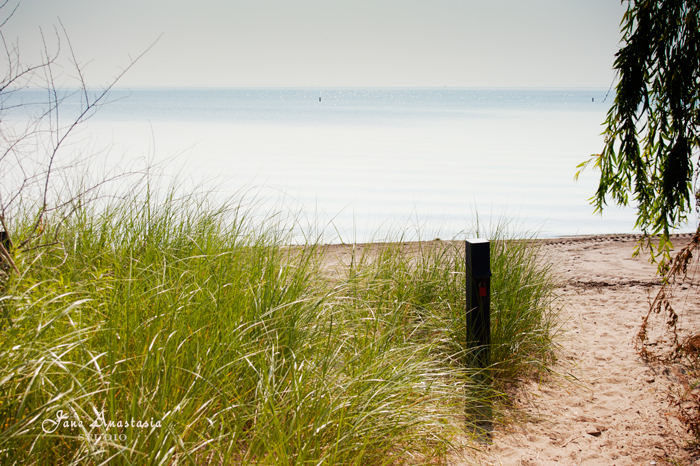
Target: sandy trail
[
  {"x": 606, "y": 406},
  {"x": 610, "y": 408}
]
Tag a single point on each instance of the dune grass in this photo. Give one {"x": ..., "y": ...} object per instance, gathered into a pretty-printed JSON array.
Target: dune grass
[{"x": 171, "y": 332}]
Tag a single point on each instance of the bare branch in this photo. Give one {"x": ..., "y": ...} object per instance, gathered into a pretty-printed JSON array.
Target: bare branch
[
  {"x": 10, "y": 15},
  {"x": 5, "y": 255},
  {"x": 46, "y": 127}
]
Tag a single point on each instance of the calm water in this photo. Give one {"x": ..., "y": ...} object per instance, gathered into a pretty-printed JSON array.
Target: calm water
[{"x": 363, "y": 161}]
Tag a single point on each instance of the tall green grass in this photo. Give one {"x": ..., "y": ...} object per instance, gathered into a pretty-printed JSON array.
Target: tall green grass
[{"x": 235, "y": 348}]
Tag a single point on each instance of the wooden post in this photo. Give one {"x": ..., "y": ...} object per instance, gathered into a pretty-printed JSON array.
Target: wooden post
[
  {"x": 478, "y": 331},
  {"x": 478, "y": 258},
  {"x": 5, "y": 240}
]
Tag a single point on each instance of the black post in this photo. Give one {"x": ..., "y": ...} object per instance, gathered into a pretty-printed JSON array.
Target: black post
[
  {"x": 478, "y": 257},
  {"x": 5, "y": 240},
  {"x": 478, "y": 261}
]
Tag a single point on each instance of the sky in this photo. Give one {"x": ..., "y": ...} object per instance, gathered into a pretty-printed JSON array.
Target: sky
[{"x": 328, "y": 43}]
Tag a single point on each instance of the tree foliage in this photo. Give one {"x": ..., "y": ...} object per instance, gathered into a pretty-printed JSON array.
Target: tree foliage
[{"x": 651, "y": 130}]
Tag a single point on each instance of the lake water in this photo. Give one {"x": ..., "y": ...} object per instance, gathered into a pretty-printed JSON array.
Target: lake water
[{"x": 362, "y": 162}]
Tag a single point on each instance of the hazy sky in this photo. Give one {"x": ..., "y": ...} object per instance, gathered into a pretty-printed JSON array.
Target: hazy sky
[{"x": 465, "y": 43}]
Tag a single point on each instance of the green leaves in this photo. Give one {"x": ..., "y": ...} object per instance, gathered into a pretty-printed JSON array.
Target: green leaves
[{"x": 651, "y": 130}]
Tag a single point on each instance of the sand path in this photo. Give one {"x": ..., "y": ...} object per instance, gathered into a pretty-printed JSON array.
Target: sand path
[{"x": 610, "y": 408}]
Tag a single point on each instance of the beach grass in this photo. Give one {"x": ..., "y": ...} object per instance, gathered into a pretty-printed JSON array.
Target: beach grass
[{"x": 157, "y": 330}]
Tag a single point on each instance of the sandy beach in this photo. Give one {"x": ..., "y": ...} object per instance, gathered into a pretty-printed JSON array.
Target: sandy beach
[{"x": 605, "y": 405}]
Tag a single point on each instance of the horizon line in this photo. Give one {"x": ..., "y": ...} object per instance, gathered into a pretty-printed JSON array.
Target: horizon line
[{"x": 311, "y": 87}]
